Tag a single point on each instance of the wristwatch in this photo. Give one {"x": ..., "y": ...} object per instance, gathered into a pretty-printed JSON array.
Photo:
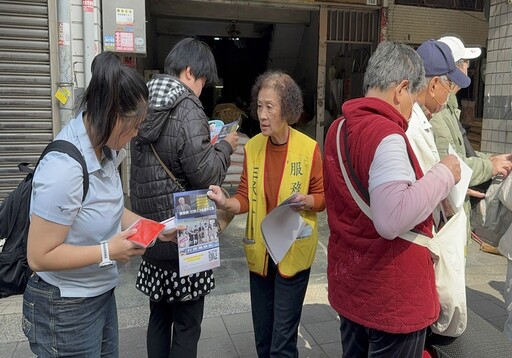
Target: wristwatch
[{"x": 105, "y": 258}]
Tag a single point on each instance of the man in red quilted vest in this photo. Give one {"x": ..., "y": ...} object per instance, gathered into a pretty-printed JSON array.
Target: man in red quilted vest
[{"x": 383, "y": 287}]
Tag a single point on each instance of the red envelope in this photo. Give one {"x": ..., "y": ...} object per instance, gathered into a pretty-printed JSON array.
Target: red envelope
[{"x": 147, "y": 232}]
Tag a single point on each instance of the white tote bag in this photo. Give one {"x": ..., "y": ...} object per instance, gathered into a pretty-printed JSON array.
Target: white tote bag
[{"x": 448, "y": 253}]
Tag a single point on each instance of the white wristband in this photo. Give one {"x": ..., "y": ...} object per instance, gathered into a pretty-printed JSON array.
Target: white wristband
[{"x": 105, "y": 258}]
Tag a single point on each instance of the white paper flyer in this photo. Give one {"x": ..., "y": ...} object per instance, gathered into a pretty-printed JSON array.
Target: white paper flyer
[{"x": 281, "y": 227}]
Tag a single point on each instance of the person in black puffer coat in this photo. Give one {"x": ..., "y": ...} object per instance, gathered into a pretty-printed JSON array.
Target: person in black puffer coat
[{"x": 178, "y": 129}]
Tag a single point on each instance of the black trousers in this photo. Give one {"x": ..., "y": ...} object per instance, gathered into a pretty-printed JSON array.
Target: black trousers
[
  {"x": 358, "y": 341},
  {"x": 276, "y": 309},
  {"x": 174, "y": 328}
]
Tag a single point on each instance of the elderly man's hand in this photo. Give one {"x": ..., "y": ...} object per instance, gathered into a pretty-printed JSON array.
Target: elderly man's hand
[
  {"x": 475, "y": 193},
  {"x": 501, "y": 164},
  {"x": 452, "y": 162}
]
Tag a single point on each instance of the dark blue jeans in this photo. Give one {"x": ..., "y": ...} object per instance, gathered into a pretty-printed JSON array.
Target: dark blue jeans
[
  {"x": 276, "y": 308},
  {"x": 174, "y": 328},
  {"x": 69, "y": 326},
  {"x": 359, "y": 341}
]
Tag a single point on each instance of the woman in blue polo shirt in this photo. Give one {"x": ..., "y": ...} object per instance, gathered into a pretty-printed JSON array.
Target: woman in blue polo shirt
[{"x": 69, "y": 308}]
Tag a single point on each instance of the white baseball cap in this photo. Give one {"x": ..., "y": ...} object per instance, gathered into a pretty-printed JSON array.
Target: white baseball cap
[{"x": 459, "y": 51}]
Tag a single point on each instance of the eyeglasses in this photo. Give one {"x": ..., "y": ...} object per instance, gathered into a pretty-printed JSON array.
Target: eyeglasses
[
  {"x": 462, "y": 64},
  {"x": 451, "y": 85}
]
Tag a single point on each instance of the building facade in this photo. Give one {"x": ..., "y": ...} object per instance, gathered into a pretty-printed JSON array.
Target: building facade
[
  {"x": 497, "y": 116},
  {"x": 47, "y": 47}
]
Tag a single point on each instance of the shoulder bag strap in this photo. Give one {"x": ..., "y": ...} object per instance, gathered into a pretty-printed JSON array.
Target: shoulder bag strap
[
  {"x": 410, "y": 236},
  {"x": 167, "y": 170}
]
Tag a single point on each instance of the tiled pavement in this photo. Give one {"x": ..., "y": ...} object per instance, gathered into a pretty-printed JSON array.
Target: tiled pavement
[{"x": 227, "y": 328}]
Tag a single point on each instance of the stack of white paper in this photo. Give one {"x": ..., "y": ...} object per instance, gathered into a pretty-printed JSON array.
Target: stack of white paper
[
  {"x": 458, "y": 193},
  {"x": 280, "y": 228}
]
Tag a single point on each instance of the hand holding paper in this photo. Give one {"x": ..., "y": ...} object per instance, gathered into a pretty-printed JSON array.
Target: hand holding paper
[
  {"x": 219, "y": 130},
  {"x": 170, "y": 225},
  {"x": 170, "y": 231},
  {"x": 297, "y": 202},
  {"x": 452, "y": 162},
  {"x": 282, "y": 226}
]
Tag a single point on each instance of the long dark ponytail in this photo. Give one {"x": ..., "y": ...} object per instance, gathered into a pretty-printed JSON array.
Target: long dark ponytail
[{"x": 115, "y": 90}]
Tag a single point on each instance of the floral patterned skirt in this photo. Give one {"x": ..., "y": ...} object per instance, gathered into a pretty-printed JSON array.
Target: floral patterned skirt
[{"x": 158, "y": 283}]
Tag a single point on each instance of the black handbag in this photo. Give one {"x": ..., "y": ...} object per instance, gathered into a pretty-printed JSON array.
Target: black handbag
[
  {"x": 482, "y": 188},
  {"x": 163, "y": 254},
  {"x": 224, "y": 217}
]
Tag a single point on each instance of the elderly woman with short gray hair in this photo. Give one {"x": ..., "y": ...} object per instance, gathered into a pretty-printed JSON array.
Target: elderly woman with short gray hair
[{"x": 279, "y": 162}]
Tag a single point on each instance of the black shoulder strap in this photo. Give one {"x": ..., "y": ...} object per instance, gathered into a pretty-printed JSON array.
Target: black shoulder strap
[
  {"x": 70, "y": 149},
  {"x": 355, "y": 178}
]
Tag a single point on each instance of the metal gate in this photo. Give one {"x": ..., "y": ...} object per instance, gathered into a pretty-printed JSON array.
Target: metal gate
[
  {"x": 355, "y": 33},
  {"x": 25, "y": 87},
  {"x": 353, "y": 26}
]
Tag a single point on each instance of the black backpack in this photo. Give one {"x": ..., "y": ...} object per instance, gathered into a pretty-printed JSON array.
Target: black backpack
[{"x": 14, "y": 223}]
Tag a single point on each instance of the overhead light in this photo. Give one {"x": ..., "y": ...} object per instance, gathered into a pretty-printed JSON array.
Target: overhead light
[{"x": 217, "y": 38}]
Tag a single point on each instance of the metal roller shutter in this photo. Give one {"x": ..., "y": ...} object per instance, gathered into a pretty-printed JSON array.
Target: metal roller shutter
[{"x": 25, "y": 87}]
